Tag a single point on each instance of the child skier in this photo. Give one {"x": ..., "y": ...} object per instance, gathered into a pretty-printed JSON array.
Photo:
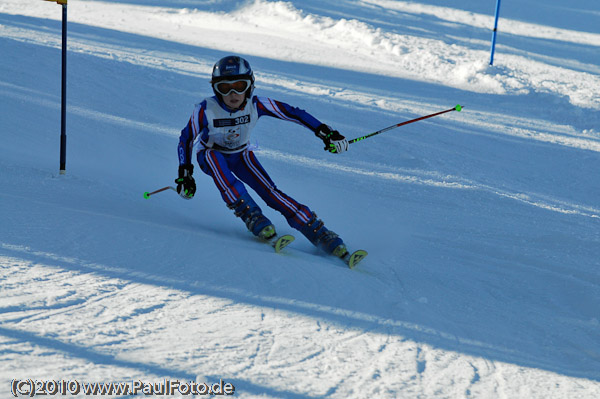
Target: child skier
[{"x": 219, "y": 133}]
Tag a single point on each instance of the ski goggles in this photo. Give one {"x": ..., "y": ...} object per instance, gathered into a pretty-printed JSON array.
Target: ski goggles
[{"x": 225, "y": 87}]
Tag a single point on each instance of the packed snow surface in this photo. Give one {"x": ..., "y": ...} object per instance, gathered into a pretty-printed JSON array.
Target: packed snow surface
[{"x": 482, "y": 226}]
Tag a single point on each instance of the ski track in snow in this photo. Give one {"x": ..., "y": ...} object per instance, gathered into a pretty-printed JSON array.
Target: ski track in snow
[
  {"x": 113, "y": 319},
  {"x": 498, "y": 296}
]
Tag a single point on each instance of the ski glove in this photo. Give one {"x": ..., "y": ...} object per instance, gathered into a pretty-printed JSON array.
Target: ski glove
[
  {"x": 333, "y": 140},
  {"x": 186, "y": 186}
]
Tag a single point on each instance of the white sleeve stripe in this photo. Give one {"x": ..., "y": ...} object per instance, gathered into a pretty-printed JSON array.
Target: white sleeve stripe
[
  {"x": 195, "y": 122},
  {"x": 275, "y": 109}
]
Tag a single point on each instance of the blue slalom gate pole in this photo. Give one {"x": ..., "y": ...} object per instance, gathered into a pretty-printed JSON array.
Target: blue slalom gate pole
[{"x": 494, "y": 32}]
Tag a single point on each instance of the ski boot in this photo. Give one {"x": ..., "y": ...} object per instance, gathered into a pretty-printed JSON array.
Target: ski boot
[
  {"x": 246, "y": 209},
  {"x": 323, "y": 238}
]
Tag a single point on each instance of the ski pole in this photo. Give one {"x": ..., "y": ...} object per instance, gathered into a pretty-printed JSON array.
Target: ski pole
[
  {"x": 160, "y": 190},
  {"x": 457, "y": 108}
]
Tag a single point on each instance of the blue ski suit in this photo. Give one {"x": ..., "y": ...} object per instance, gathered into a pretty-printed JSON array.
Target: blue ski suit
[{"x": 220, "y": 139}]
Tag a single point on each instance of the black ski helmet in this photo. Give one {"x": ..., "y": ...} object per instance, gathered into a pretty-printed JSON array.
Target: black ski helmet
[{"x": 231, "y": 68}]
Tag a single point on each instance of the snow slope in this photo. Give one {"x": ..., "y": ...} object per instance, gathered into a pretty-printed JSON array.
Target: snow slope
[{"x": 483, "y": 278}]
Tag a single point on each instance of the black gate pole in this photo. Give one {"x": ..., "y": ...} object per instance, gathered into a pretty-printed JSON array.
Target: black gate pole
[{"x": 63, "y": 106}]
